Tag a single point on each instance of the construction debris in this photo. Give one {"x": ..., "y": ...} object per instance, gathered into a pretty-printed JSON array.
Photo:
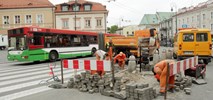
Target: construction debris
[
  {"x": 187, "y": 91},
  {"x": 199, "y": 81},
  {"x": 183, "y": 82}
]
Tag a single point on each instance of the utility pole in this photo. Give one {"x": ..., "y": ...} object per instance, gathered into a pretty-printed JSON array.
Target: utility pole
[
  {"x": 105, "y": 21},
  {"x": 75, "y": 13}
]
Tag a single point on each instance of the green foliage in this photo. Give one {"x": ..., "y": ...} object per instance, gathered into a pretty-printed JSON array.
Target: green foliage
[{"x": 113, "y": 29}]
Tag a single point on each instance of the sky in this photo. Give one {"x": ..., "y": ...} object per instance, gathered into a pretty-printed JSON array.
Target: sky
[{"x": 132, "y": 11}]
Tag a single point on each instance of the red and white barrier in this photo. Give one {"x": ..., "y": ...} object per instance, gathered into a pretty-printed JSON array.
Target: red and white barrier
[
  {"x": 103, "y": 65},
  {"x": 181, "y": 66}
]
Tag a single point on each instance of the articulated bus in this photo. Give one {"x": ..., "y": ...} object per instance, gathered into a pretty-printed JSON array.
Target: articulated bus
[{"x": 40, "y": 44}]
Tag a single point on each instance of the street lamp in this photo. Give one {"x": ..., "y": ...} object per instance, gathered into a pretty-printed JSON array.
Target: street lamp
[
  {"x": 173, "y": 5},
  {"x": 75, "y": 13}
]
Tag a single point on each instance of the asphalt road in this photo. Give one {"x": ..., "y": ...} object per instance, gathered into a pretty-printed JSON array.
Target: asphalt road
[{"x": 20, "y": 81}]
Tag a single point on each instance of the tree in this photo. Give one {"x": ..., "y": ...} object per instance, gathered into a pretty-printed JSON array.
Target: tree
[{"x": 113, "y": 29}]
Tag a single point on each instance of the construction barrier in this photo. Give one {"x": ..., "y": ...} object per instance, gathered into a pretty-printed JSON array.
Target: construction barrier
[
  {"x": 181, "y": 66},
  {"x": 103, "y": 65}
]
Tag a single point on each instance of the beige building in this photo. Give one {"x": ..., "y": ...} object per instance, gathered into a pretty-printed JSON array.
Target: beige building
[
  {"x": 26, "y": 13},
  {"x": 200, "y": 16},
  {"x": 129, "y": 30},
  {"x": 81, "y": 15}
]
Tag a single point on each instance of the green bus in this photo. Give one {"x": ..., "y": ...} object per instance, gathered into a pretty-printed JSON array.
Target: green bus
[{"x": 40, "y": 44}]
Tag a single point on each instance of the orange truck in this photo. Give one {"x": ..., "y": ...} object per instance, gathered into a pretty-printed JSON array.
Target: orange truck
[{"x": 142, "y": 43}]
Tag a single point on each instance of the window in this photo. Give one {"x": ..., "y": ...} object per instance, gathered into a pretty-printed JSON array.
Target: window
[
  {"x": 88, "y": 23},
  {"x": 212, "y": 27},
  {"x": 28, "y": 19},
  {"x": 211, "y": 15},
  {"x": 65, "y": 8},
  {"x": 198, "y": 17},
  {"x": 65, "y": 24},
  {"x": 201, "y": 37},
  {"x": 6, "y": 20},
  {"x": 87, "y": 7},
  {"x": 192, "y": 19},
  {"x": 183, "y": 21},
  {"x": 187, "y": 19},
  {"x": 17, "y": 19},
  {"x": 188, "y": 37},
  {"x": 204, "y": 26},
  {"x": 39, "y": 18},
  {"x": 204, "y": 16},
  {"x": 78, "y": 24},
  {"x": 76, "y": 8},
  {"x": 98, "y": 22}
]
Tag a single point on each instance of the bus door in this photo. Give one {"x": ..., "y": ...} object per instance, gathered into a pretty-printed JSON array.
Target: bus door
[
  {"x": 188, "y": 44},
  {"x": 203, "y": 43}
]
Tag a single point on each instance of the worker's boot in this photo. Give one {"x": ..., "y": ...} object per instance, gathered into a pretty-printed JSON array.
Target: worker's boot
[{"x": 161, "y": 94}]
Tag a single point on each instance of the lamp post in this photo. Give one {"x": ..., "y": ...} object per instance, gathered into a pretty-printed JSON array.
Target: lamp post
[
  {"x": 75, "y": 13},
  {"x": 172, "y": 8}
]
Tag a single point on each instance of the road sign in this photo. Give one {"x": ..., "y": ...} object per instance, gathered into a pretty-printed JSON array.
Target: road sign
[{"x": 184, "y": 26}]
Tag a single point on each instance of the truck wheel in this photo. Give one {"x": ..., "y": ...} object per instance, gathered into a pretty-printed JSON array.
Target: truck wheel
[
  {"x": 53, "y": 56},
  {"x": 205, "y": 61}
]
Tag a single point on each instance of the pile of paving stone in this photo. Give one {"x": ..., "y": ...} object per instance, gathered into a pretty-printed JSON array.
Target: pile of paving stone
[
  {"x": 136, "y": 91},
  {"x": 183, "y": 83},
  {"x": 86, "y": 82},
  {"x": 96, "y": 84}
]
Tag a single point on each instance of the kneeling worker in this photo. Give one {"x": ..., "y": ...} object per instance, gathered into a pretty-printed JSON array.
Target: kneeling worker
[
  {"x": 121, "y": 57},
  {"x": 160, "y": 72}
]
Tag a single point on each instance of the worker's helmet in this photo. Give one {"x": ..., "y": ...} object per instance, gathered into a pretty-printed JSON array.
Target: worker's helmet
[{"x": 121, "y": 53}]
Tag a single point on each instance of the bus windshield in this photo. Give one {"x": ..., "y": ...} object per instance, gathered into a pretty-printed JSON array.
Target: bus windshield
[{"x": 17, "y": 43}]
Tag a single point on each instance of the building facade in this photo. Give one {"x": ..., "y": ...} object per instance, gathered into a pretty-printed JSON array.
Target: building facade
[
  {"x": 26, "y": 13},
  {"x": 199, "y": 16},
  {"x": 166, "y": 32},
  {"x": 81, "y": 15}
]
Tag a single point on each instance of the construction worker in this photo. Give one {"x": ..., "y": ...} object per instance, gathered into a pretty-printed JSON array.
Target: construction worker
[
  {"x": 121, "y": 57},
  {"x": 99, "y": 54},
  {"x": 110, "y": 48},
  {"x": 160, "y": 72}
]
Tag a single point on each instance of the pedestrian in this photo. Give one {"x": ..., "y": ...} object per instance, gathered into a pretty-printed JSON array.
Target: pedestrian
[
  {"x": 121, "y": 57},
  {"x": 160, "y": 72}
]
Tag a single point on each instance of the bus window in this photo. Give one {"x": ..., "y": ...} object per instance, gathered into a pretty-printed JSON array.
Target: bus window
[
  {"x": 84, "y": 41},
  {"x": 200, "y": 37},
  {"x": 188, "y": 37},
  {"x": 38, "y": 39},
  {"x": 17, "y": 42}
]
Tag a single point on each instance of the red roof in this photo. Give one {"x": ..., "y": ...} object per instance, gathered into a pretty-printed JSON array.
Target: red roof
[
  {"x": 95, "y": 6},
  {"x": 8, "y": 4}
]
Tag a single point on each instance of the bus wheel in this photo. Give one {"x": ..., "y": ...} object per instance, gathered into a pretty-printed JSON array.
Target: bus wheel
[
  {"x": 53, "y": 56},
  {"x": 93, "y": 51}
]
